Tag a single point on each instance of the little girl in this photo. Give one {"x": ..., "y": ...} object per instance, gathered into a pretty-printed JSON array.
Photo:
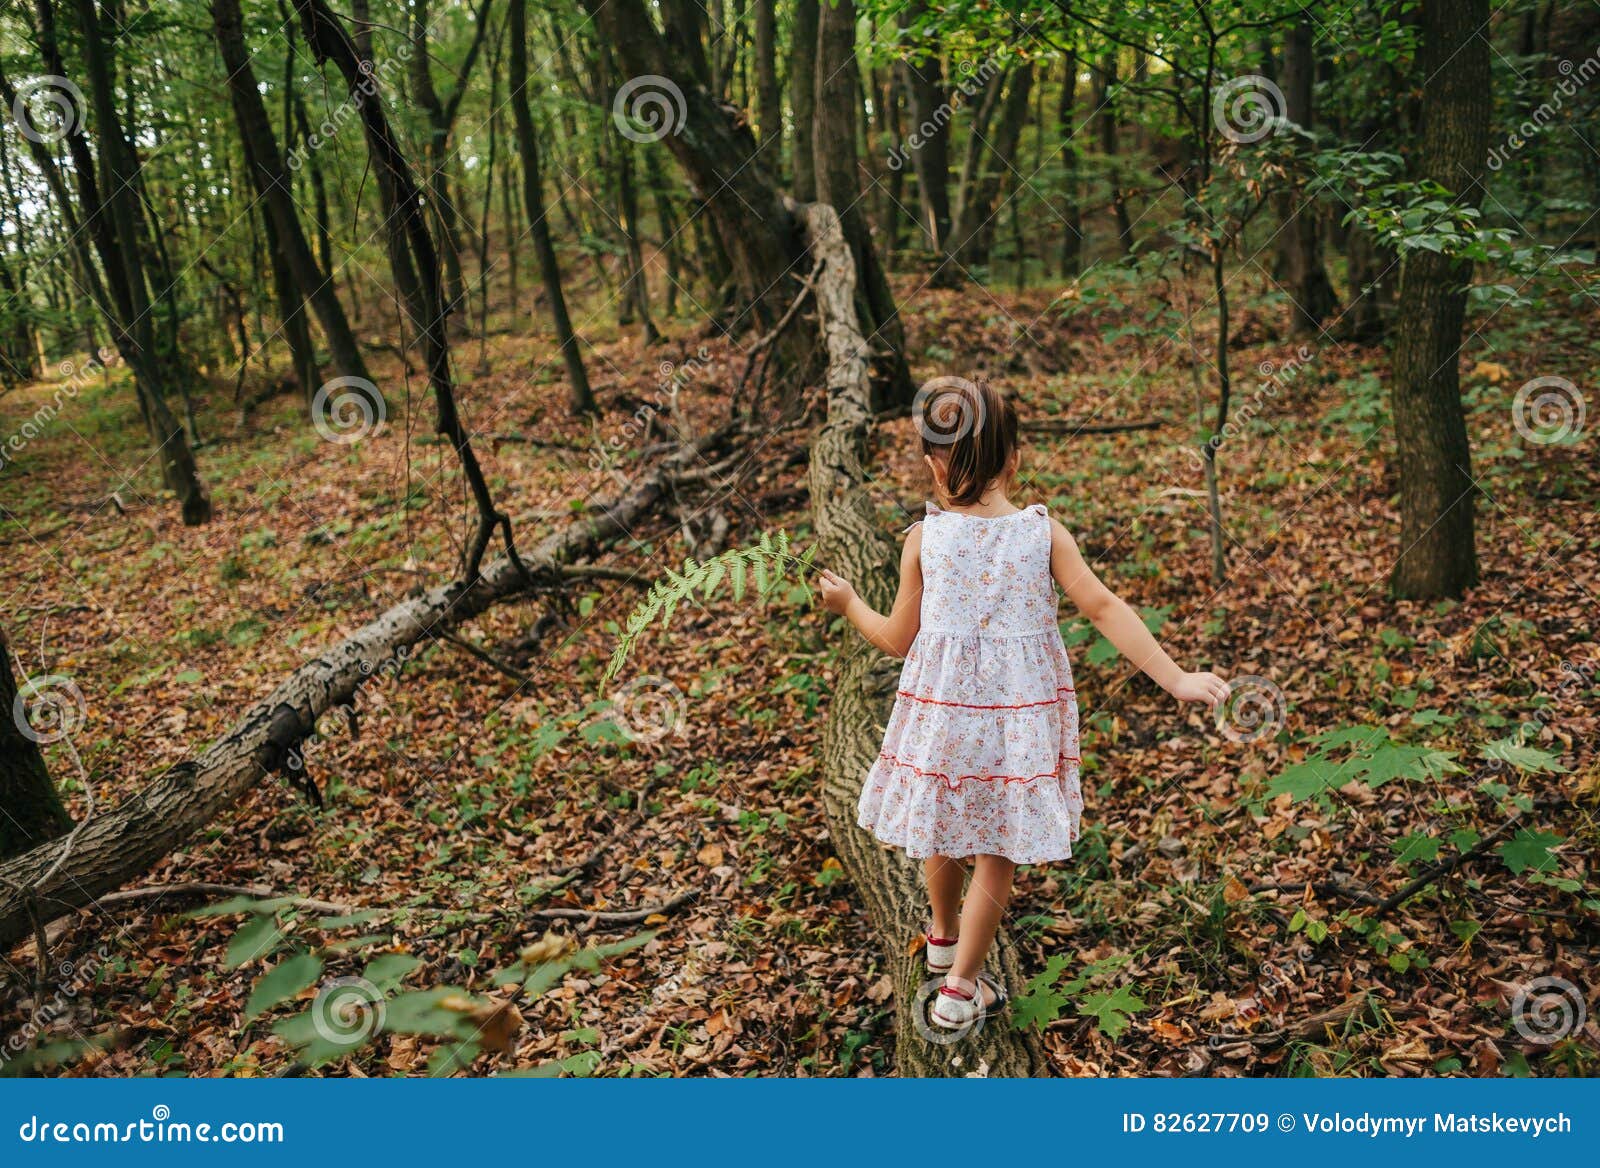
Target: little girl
[{"x": 981, "y": 755}]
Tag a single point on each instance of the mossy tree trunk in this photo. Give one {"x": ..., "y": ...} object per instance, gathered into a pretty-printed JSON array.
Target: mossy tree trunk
[
  {"x": 853, "y": 541},
  {"x": 30, "y": 810}
]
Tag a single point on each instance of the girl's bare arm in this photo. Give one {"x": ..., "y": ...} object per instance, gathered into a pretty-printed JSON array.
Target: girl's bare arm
[
  {"x": 1122, "y": 627},
  {"x": 895, "y": 632}
]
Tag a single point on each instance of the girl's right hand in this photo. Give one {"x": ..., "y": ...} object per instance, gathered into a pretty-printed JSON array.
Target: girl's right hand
[{"x": 837, "y": 592}]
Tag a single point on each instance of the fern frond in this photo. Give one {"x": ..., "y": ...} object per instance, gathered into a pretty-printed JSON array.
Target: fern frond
[{"x": 766, "y": 562}]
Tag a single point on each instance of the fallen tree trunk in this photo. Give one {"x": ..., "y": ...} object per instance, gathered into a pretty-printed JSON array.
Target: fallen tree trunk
[
  {"x": 853, "y": 541},
  {"x": 124, "y": 843}
]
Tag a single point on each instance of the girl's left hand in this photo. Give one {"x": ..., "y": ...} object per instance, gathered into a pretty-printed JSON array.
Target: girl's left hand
[{"x": 1201, "y": 687}]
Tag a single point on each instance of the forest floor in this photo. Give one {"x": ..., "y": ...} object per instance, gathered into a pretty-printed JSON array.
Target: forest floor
[{"x": 1212, "y": 924}]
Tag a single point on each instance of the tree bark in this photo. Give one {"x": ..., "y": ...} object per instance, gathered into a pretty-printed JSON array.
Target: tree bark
[
  {"x": 1071, "y": 180},
  {"x": 769, "y": 102},
  {"x": 852, "y": 540},
  {"x": 124, "y": 843},
  {"x": 837, "y": 185},
  {"x": 1303, "y": 275},
  {"x": 30, "y": 810},
  {"x": 271, "y": 179},
  {"x": 1438, "y": 554},
  {"x": 1106, "y": 104},
  {"x": 930, "y": 124},
  {"x": 803, "y": 88},
  {"x": 581, "y": 396}
]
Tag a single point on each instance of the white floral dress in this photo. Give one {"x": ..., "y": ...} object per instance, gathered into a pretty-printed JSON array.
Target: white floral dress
[{"x": 981, "y": 752}]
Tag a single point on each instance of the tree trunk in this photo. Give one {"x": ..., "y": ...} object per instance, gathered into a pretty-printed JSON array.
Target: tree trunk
[
  {"x": 852, "y": 540},
  {"x": 929, "y": 137},
  {"x": 1071, "y": 180},
  {"x": 30, "y": 810},
  {"x": 125, "y": 842},
  {"x": 580, "y": 395},
  {"x": 972, "y": 235},
  {"x": 1105, "y": 103},
  {"x": 718, "y": 155},
  {"x": 769, "y": 102},
  {"x": 270, "y": 177},
  {"x": 837, "y": 185},
  {"x": 1303, "y": 275},
  {"x": 803, "y": 86},
  {"x": 117, "y": 233},
  {"x": 1438, "y": 555}
]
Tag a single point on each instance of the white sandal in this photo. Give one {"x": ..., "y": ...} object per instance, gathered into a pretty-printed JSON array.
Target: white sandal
[
  {"x": 941, "y": 953},
  {"x": 957, "y": 1009}
]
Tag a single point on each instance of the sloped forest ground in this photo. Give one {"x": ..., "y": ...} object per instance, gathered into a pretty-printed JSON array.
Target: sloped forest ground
[{"x": 1222, "y": 916}]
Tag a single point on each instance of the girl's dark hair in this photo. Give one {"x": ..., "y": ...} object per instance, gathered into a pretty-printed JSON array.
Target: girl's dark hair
[{"x": 970, "y": 429}]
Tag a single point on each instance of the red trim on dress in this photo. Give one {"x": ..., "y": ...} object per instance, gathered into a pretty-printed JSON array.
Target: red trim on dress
[
  {"x": 954, "y": 782},
  {"x": 909, "y": 696}
]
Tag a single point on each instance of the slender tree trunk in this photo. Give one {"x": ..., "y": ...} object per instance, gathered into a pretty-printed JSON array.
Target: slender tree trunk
[
  {"x": 117, "y": 226},
  {"x": 972, "y": 236},
  {"x": 928, "y": 141},
  {"x": 1438, "y": 554},
  {"x": 1071, "y": 177},
  {"x": 270, "y": 177},
  {"x": 837, "y": 185},
  {"x": 769, "y": 102},
  {"x": 1300, "y": 241},
  {"x": 30, "y": 810},
  {"x": 1105, "y": 102},
  {"x": 803, "y": 86},
  {"x": 581, "y": 396}
]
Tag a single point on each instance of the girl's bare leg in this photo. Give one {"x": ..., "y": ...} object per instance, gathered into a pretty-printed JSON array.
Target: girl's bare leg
[
  {"x": 986, "y": 902},
  {"x": 943, "y": 876}
]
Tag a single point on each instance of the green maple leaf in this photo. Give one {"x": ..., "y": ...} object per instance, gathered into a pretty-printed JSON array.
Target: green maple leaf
[
  {"x": 1112, "y": 1011},
  {"x": 1390, "y": 762},
  {"x": 1525, "y": 758},
  {"x": 1041, "y": 1003},
  {"x": 1408, "y": 849},
  {"x": 1530, "y": 849},
  {"x": 1305, "y": 779}
]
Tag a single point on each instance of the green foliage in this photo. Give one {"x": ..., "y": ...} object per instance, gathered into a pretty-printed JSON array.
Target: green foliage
[
  {"x": 1047, "y": 995},
  {"x": 349, "y": 1012},
  {"x": 1358, "y": 753},
  {"x": 766, "y": 564}
]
